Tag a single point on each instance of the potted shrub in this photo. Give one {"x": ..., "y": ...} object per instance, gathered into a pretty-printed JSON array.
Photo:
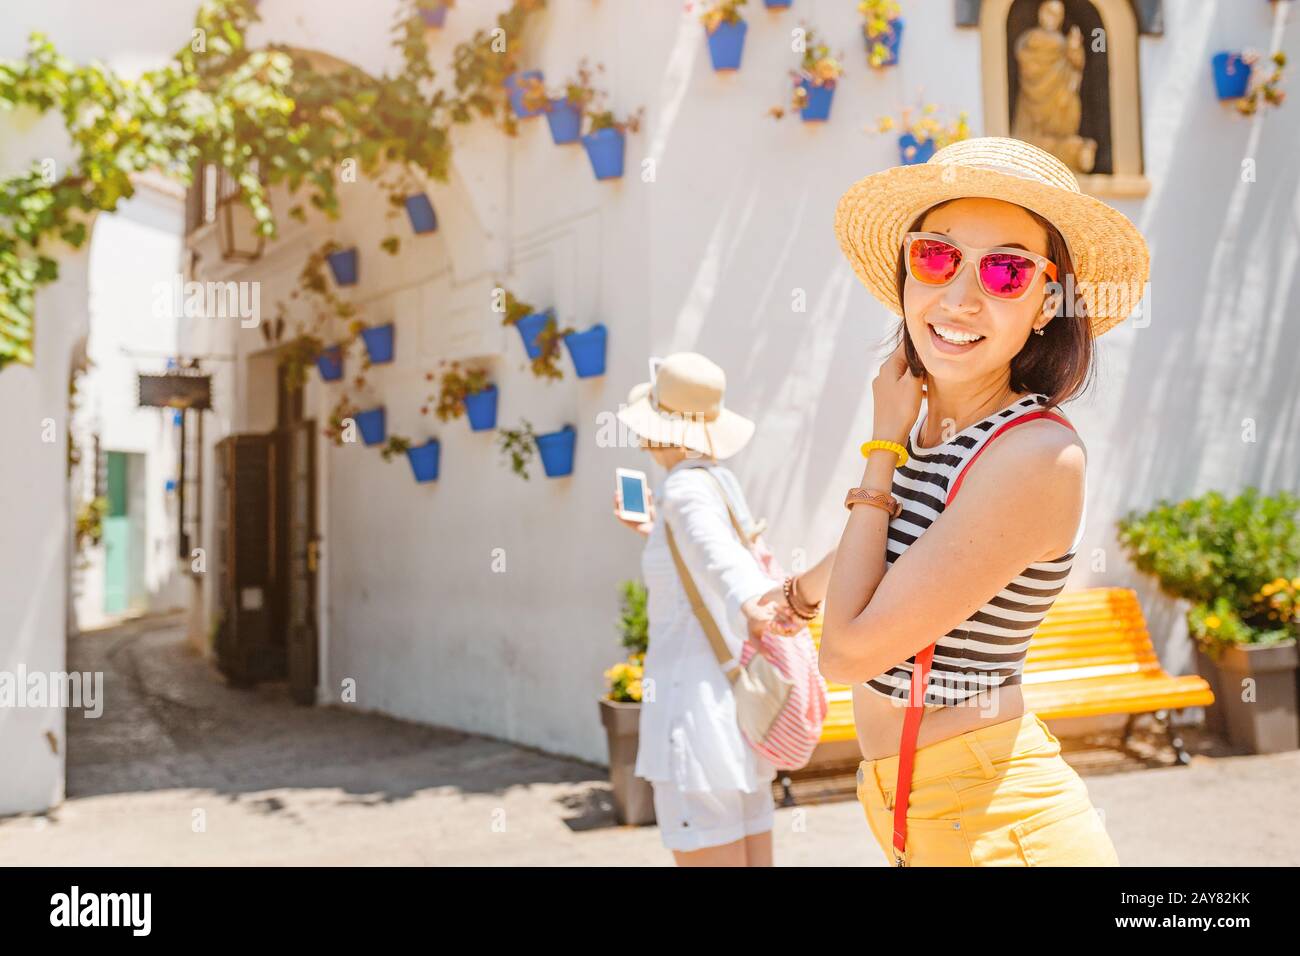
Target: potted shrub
[
  {"x": 725, "y": 29},
  {"x": 541, "y": 335},
  {"x": 921, "y": 136},
  {"x": 330, "y": 363},
  {"x": 467, "y": 391},
  {"x": 587, "y": 349},
  {"x": 882, "y": 29},
  {"x": 527, "y": 92},
  {"x": 814, "y": 81},
  {"x": 1238, "y": 562},
  {"x": 379, "y": 343},
  {"x": 1263, "y": 89},
  {"x": 434, "y": 12},
  {"x": 620, "y": 713},
  {"x": 343, "y": 265},
  {"x": 606, "y": 138},
  {"x": 565, "y": 109},
  {"x": 372, "y": 425},
  {"x": 420, "y": 211},
  {"x": 556, "y": 450}
]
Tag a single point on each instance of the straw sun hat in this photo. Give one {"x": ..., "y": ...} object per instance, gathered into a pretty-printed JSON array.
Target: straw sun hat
[
  {"x": 682, "y": 405},
  {"x": 1109, "y": 254}
]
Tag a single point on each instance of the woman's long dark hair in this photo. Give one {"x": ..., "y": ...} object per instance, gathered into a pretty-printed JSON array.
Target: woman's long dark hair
[{"x": 1060, "y": 362}]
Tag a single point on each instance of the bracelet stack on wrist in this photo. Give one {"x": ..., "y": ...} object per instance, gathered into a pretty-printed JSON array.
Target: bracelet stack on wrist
[{"x": 797, "y": 604}]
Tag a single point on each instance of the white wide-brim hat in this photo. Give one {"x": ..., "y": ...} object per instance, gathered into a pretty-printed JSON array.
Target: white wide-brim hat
[
  {"x": 682, "y": 405},
  {"x": 1111, "y": 262}
]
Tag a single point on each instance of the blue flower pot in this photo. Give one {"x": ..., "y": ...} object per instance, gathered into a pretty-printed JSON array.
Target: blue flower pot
[
  {"x": 726, "y": 44},
  {"x": 565, "y": 121},
  {"x": 587, "y": 349},
  {"x": 330, "y": 363},
  {"x": 530, "y": 326},
  {"x": 481, "y": 409},
  {"x": 891, "y": 40},
  {"x": 424, "y": 460},
  {"x": 343, "y": 264},
  {"x": 434, "y": 18},
  {"x": 556, "y": 449},
  {"x": 777, "y": 4},
  {"x": 372, "y": 425},
  {"x": 912, "y": 153},
  {"x": 605, "y": 150},
  {"x": 517, "y": 92},
  {"x": 1231, "y": 76},
  {"x": 818, "y": 108},
  {"x": 379, "y": 343},
  {"x": 420, "y": 211}
]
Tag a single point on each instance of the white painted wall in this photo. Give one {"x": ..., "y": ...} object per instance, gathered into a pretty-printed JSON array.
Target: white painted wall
[
  {"x": 708, "y": 257},
  {"x": 35, "y": 548}
]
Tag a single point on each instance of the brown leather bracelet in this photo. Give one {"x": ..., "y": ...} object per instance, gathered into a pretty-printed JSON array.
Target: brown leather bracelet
[{"x": 878, "y": 499}]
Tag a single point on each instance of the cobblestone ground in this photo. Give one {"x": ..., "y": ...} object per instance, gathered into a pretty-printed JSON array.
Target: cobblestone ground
[{"x": 280, "y": 784}]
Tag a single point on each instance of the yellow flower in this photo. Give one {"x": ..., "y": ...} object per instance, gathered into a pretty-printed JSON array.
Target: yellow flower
[
  {"x": 1268, "y": 589},
  {"x": 1295, "y": 583},
  {"x": 1212, "y": 622},
  {"x": 634, "y": 690}
]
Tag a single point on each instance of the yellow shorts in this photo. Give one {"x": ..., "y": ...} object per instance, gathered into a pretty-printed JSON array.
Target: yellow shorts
[{"x": 1000, "y": 795}]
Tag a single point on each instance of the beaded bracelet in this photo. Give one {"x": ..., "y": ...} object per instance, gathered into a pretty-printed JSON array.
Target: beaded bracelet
[
  {"x": 801, "y": 610},
  {"x": 887, "y": 446}
]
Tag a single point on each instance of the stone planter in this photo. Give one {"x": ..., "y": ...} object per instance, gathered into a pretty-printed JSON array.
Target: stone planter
[
  {"x": 1209, "y": 670},
  {"x": 1266, "y": 721},
  {"x": 633, "y": 797}
]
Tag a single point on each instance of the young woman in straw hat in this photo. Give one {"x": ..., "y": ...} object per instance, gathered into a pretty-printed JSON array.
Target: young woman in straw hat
[
  {"x": 1003, "y": 274},
  {"x": 712, "y": 792}
]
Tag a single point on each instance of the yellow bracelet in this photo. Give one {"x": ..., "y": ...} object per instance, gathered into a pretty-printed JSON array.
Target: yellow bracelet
[{"x": 887, "y": 446}]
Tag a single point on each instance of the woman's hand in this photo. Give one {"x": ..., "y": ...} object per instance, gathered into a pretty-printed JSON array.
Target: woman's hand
[
  {"x": 896, "y": 394},
  {"x": 643, "y": 527},
  {"x": 769, "y": 614}
]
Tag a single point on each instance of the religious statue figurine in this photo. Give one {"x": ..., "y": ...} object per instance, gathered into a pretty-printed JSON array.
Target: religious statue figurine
[{"x": 1048, "y": 108}]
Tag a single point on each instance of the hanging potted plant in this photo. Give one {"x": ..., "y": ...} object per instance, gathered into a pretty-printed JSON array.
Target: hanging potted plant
[
  {"x": 1231, "y": 74},
  {"x": 556, "y": 449},
  {"x": 527, "y": 92},
  {"x": 541, "y": 335},
  {"x": 423, "y": 459},
  {"x": 814, "y": 81},
  {"x": 466, "y": 391},
  {"x": 620, "y": 713},
  {"x": 1263, "y": 90},
  {"x": 565, "y": 109},
  {"x": 434, "y": 12},
  {"x": 343, "y": 264},
  {"x": 1237, "y": 561},
  {"x": 882, "y": 28},
  {"x": 920, "y": 137},
  {"x": 419, "y": 210},
  {"x": 378, "y": 340},
  {"x": 725, "y": 29},
  {"x": 330, "y": 363},
  {"x": 606, "y": 139},
  {"x": 518, "y": 445},
  {"x": 587, "y": 349},
  {"x": 777, "y": 4},
  {"x": 372, "y": 424}
]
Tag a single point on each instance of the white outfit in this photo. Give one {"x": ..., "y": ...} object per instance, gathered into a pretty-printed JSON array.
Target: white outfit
[{"x": 710, "y": 786}]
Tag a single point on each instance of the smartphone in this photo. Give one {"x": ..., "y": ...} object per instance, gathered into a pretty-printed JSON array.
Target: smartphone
[{"x": 633, "y": 494}]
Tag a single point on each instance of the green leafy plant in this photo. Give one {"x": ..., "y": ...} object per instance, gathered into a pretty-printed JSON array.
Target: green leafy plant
[
  {"x": 90, "y": 522},
  {"x": 395, "y": 446},
  {"x": 1221, "y": 554},
  {"x": 819, "y": 67},
  {"x": 634, "y": 625},
  {"x": 547, "y": 364},
  {"x": 1265, "y": 90},
  {"x": 579, "y": 91},
  {"x": 925, "y": 125},
  {"x": 518, "y": 446}
]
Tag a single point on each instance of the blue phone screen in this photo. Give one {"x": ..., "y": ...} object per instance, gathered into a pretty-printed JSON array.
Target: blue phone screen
[{"x": 633, "y": 494}]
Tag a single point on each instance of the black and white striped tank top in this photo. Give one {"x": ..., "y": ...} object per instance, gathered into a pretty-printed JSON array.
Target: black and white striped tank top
[{"x": 988, "y": 649}]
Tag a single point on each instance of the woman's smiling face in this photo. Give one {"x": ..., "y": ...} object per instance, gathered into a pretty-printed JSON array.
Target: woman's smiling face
[{"x": 962, "y": 308}]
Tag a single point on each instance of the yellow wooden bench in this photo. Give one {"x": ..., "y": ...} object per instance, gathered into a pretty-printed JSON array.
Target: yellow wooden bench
[{"x": 1091, "y": 656}]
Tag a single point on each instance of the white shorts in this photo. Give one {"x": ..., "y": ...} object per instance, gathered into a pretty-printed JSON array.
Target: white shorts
[{"x": 695, "y": 819}]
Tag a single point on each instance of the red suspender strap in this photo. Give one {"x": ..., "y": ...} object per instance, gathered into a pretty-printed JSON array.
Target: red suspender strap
[{"x": 921, "y": 673}]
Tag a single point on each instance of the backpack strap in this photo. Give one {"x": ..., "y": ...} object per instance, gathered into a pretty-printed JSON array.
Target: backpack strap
[{"x": 921, "y": 671}]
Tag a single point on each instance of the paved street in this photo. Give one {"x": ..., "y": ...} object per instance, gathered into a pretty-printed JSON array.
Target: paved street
[{"x": 274, "y": 783}]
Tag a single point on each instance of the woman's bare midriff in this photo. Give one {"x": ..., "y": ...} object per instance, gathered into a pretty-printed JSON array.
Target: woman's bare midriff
[{"x": 879, "y": 719}]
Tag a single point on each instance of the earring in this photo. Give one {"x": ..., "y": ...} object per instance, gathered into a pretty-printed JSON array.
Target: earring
[{"x": 1038, "y": 332}]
